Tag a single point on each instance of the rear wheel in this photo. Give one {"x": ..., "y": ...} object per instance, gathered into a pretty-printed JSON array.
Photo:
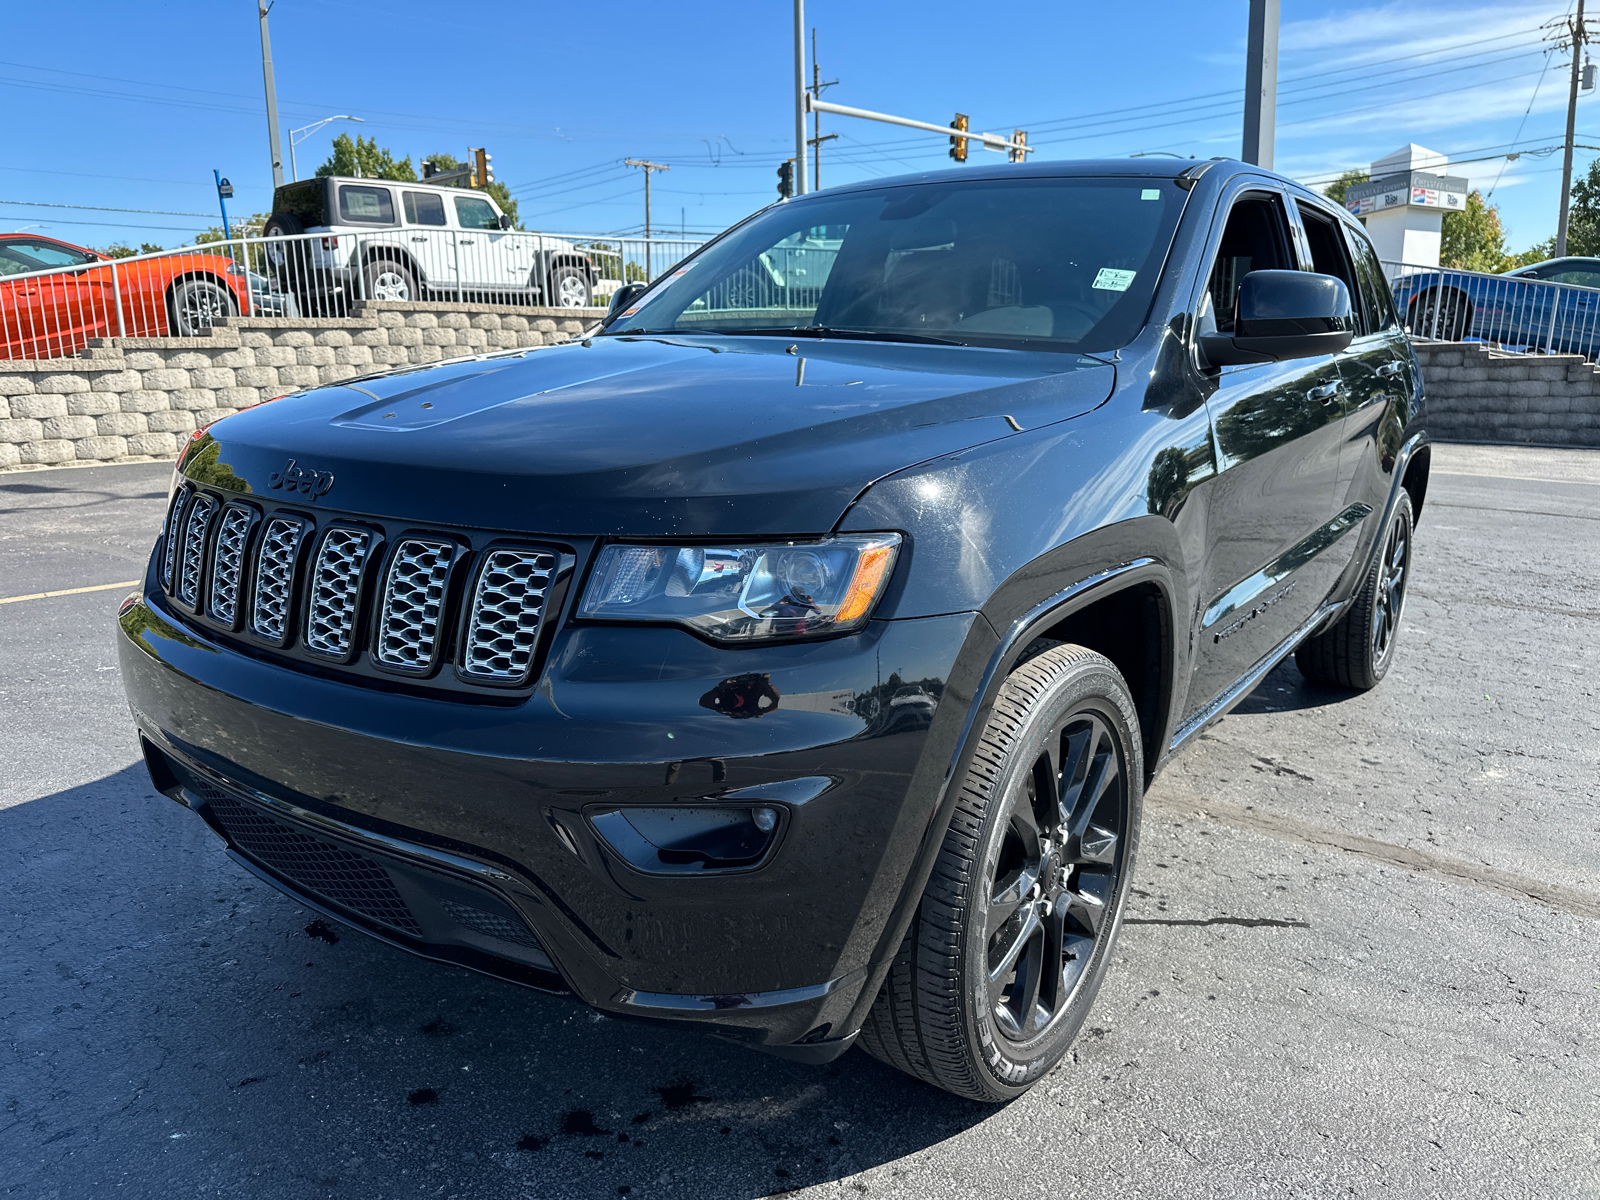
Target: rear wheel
[
  {"x": 386, "y": 280},
  {"x": 1357, "y": 650},
  {"x": 1442, "y": 314},
  {"x": 1014, "y": 933},
  {"x": 196, "y": 304},
  {"x": 569, "y": 288}
]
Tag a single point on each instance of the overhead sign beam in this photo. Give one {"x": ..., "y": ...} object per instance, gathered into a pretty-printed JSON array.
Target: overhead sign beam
[{"x": 990, "y": 141}]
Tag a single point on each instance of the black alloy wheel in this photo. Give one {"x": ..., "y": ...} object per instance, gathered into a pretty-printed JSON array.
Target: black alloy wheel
[
  {"x": 1441, "y": 314},
  {"x": 197, "y": 303},
  {"x": 1014, "y": 933},
  {"x": 1357, "y": 650}
]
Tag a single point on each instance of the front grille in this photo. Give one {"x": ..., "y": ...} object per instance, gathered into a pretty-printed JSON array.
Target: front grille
[
  {"x": 490, "y": 924},
  {"x": 503, "y": 625},
  {"x": 280, "y": 547},
  {"x": 169, "y": 549},
  {"x": 335, "y": 588},
  {"x": 408, "y": 624},
  {"x": 192, "y": 556},
  {"x": 227, "y": 563},
  {"x": 325, "y": 870}
]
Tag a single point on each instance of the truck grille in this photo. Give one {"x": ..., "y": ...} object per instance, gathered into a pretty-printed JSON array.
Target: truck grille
[{"x": 302, "y": 587}]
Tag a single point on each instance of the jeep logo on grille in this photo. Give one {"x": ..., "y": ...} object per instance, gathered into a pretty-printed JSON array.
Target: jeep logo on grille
[{"x": 306, "y": 479}]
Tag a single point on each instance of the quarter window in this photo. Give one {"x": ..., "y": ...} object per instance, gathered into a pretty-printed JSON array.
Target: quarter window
[
  {"x": 474, "y": 212},
  {"x": 365, "y": 205},
  {"x": 423, "y": 208}
]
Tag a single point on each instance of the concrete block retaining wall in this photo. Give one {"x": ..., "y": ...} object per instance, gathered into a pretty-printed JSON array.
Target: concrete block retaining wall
[
  {"x": 1478, "y": 395},
  {"x": 133, "y": 398}
]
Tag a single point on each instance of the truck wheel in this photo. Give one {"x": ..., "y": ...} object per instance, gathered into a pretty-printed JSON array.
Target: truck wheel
[
  {"x": 1356, "y": 651},
  {"x": 195, "y": 305},
  {"x": 1442, "y": 314},
  {"x": 569, "y": 288},
  {"x": 388, "y": 280},
  {"x": 1015, "y": 931}
]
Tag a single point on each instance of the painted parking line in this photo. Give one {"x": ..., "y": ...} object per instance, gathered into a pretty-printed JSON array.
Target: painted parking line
[
  {"x": 99, "y": 587},
  {"x": 1519, "y": 478}
]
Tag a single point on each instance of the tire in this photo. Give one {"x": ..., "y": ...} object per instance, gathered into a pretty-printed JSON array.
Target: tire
[
  {"x": 570, "y": 288},
  {"x": 195, "y": 304},
  {"x": 1358, "y": 649},
  {"x": 1066, "y": 714},
  {"x": 1442, "y": 315},
  {"x": 385, "y": 279}
]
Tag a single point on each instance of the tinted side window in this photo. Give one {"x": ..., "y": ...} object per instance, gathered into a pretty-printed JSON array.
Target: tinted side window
[
  {"x": 423, "y": 208},
  {"x": 1581, "y": 278},
  {"x": 1377, "y": 301},
  {"x": 52, "y": 254},
  {"x": 1256, "y": 238},
  {"x": 1328, "y": 255},
  {"x": 473, "y": 212},
  {"x": 365, "y": 205}
]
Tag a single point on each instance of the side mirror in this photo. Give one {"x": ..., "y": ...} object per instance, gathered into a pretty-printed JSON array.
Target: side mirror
[
  {"x": 624, "y": 296},
  {"x": 505, "y": 221},
  {"x": 1283, "y": 315}
]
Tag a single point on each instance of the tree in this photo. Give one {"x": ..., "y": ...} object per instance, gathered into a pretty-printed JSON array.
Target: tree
[
  {"x": 498, "y": 190},
  {"x": 121, "y": 249},
  {"x": 1474, "y": 239},
  {"x": 365, "y": 158},
  {"x": 1336, "y": 190},
  {"x": 1583, "y": 215}
]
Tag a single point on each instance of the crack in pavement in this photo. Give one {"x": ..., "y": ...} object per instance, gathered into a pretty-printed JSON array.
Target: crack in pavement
[
  {"x": 1553, "y": 895},
  {"x": 1247, "y": 922}
]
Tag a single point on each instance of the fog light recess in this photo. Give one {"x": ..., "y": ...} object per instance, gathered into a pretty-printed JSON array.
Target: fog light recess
[{"x": 690, "y": 839}]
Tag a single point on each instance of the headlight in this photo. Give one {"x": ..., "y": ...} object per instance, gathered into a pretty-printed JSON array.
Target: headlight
[{"x": 741, "y": 593}]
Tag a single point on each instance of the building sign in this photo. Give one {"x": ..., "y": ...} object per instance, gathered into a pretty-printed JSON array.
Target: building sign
[{"x": 1412, "y": 189}]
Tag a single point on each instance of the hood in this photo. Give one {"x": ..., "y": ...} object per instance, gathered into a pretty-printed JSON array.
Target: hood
[{"x": 643, "y": 436}]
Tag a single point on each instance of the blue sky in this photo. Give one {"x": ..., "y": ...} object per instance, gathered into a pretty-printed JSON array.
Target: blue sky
[{"x": 130, "y": 106}]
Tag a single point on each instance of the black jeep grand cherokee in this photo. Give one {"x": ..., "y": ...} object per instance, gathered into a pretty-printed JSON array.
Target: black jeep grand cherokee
[{"x": 789, "y": 658}]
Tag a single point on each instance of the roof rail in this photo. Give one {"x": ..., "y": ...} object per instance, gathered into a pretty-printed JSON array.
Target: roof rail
[{"x": 1189, "y": 176}]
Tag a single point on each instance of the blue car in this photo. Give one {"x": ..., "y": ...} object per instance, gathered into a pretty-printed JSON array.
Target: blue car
[{"x": 1551, "y": 306}]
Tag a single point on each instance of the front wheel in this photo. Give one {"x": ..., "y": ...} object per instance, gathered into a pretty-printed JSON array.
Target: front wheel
[
  {"x": 1015, "y": 930},
  {"x": 1358, "y": 649},
  {"x": 196, "y": 304}
]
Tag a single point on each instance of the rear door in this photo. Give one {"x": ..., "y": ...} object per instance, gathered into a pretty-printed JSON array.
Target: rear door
[
  {"x": 428, "y": 239},
  {"x": 1276, "y": 430}
]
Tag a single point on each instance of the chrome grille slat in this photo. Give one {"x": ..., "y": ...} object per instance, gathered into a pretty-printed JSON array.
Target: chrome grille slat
[
  {"x": 269, "y": 610},
  {"x": 503, "y": 620},
  {"x": 169, "y": 551},
  {"x": 227, "y": 563},
  {"x": 413, "y": 597},
  {"x": 334, "y": 590},
  {"x": 192, "y": 554}
]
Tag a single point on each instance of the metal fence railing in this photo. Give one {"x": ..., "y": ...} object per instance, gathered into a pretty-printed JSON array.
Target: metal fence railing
[
  {"x": 48, "y": 310},
  {"x": 1513, "y": 313}
]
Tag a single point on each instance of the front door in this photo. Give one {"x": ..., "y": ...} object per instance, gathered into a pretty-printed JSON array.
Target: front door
[
  {"x": 487, "y": 255},
  {"x": 1273, "y": 515}
]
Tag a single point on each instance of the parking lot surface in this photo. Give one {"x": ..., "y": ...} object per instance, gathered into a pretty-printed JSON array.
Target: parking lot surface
[{"x": 1361, "y": 959}]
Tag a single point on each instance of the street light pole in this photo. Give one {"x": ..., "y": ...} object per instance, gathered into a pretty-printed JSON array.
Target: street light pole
[
  {"x": 800, "y": 188},
  {"x": 306, "y": 131},
  {"x": 1261, "y": 84},
  {"x": 272, "y": 98},
  {"x": 1578, "y": 36}
]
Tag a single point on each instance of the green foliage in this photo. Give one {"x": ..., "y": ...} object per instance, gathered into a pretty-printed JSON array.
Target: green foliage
[
  {"x": 121, "y": 249},
  {"x": 497, "y": 190},
  {"x": 1474, "y": 239},
  {"x": 364, "y": 157},
  {"x": 1336, "y": 190},
  {"x": 1583, "y": 215}
]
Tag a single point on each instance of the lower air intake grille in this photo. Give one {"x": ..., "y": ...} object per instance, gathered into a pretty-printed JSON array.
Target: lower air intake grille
[
  {"x": 227, "y": 563},
  {"x": 490, "y": 924},
  {"x": 408, "y": 623},
  {"x": 192, "y": 555},
  {"x": 335, "y": 588},
  {"x": 328, "y": 871},
  {"x": 280, "y": 546},
  {"x": 503, "y": 623}
]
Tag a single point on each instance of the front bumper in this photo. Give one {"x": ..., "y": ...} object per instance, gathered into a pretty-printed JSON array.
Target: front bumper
[{"x": 475, "y": 820}]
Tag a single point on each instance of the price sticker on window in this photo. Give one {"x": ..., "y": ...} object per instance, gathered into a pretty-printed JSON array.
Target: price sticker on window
[{"x": 1112, "y": 280}]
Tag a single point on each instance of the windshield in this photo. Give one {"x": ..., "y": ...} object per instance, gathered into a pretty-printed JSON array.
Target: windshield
[{"x": 1054, "y": 264}]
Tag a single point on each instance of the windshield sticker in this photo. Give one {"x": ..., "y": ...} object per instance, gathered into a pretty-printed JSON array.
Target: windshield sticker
[
  {"x": 1112, "y": 280},
  {"x": 1150, "y": 194}
]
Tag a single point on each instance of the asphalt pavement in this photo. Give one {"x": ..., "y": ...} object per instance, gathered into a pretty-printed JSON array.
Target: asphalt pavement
[{"x": 1361, "y": 958}]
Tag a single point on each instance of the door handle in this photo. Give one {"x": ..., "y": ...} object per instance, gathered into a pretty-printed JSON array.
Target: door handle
[
  {"x": 419, "y": 239},
  {"x": 464, "y": 241},
  {"x": 1389, "y": 370},
  {"x": 1326, "y": 392}
]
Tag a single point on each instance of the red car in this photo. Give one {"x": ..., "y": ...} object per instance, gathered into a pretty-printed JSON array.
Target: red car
[{"x": 55, "y": 315}]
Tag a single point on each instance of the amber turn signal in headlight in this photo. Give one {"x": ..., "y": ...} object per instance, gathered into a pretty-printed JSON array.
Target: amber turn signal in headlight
[{"x": 743, "y": 593}]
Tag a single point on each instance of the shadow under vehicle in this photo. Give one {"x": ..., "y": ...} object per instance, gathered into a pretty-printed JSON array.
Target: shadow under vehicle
[{"x": 791, "y": 665}]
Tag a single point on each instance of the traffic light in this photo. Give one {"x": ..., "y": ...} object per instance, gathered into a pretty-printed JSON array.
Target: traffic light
[
  {"x": 786, "y": 179},
  {"x": 483, "y": 173},
  {"x": 1014, "y": 154},
  {"x": 958, "y": 145}
]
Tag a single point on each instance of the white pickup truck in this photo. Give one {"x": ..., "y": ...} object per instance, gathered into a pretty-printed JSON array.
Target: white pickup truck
[{"x": 380, "y": 239}]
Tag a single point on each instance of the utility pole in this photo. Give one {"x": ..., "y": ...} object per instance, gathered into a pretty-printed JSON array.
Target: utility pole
[
  {"x": 816, "y": 116},
  {"x": 1261, "y": 84},
  {"x": 648, "y": 166},
  {"x": 272, "y": 98},
  {"x": 1577, "y": 36},
  {"x": 800, "y": 188}
]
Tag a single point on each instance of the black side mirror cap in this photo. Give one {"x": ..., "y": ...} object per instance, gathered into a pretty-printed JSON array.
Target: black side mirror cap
[
  {"x": 1284, "y": 315},
  {"x": 624, "y": 296},
  {"x": 505, "y": 221}
]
